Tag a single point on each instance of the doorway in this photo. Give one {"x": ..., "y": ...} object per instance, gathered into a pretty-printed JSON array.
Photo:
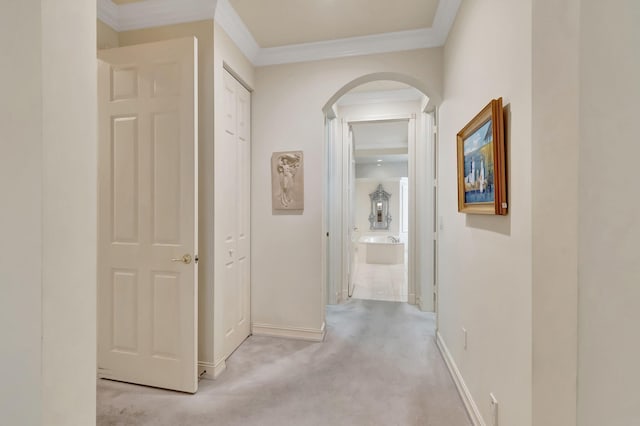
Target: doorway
[
  {"x": 379, "y": 210},
  {"x": 376, "y": 105}
]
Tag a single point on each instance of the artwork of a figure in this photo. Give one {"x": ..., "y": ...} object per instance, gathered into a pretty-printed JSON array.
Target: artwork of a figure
[
  {"x": 288, "y": 165},
  {"x": 287, "y": 180}
]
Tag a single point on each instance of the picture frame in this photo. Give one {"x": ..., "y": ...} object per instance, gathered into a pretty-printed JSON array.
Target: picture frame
[{"x": 482, "y": 186}]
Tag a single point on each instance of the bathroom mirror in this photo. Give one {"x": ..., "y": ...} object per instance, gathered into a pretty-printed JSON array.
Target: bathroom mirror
[{"x": 379, "y": 218}]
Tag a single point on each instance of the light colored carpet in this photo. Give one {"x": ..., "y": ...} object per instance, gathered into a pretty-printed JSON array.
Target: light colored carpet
[{"x": 379, "y": 365}]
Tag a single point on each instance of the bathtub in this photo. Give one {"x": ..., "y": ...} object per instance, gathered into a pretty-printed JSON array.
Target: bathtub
[{"x": 379, "y": 249}]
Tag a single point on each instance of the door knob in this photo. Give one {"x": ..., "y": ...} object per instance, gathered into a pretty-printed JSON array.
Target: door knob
[{"x": 186, "y": 259}]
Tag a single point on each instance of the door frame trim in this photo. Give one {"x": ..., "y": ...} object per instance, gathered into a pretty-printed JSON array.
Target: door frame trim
[{"x": 339, "y": 199}]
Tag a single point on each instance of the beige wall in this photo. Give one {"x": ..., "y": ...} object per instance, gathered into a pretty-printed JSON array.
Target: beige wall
[
  {"x": 228, "y": 55},
  {"x": 107, "y": 37},
  {"x": 21, "y": 213},
  {"x": 287, "y": 287},
  {"x": 69, "y": 225},
  {"x": 609, "y": 218},
  {"x": 555, "y": 210},
  {"x": 203, "y": 31},
  {"x": 48, "y": 249},
  {"x": 485, "y": 261}
]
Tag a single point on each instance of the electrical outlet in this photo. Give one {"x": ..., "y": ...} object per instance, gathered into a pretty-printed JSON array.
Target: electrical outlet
[
  {"x": 464, "y": 338},
  {"x": 494, "y": 409}
]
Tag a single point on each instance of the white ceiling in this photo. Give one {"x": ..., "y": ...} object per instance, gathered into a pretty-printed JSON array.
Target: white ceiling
[
  {"x": 300, "y": 30},
  {"x": 385, "y": 159},
  {"x": 380, "y": 135},
  {"x": 381, "y": 140},
  {"x": 283, "y": 22}
]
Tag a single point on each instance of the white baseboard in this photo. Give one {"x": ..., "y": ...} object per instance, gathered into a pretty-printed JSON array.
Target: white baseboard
[
  {"x": 420, "y": 304},
  {"x": 309, "y": 334},
  {"x": 467, "y": 399},
  {"x": 411, "y": 299},
  {"x": 207, "y": 370}
]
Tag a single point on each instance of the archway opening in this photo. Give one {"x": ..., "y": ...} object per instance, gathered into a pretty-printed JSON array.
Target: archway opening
[{"x": 379, "y": 102}]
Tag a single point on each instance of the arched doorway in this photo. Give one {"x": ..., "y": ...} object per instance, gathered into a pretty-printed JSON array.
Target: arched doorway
[{"x": 338, "y": 243}]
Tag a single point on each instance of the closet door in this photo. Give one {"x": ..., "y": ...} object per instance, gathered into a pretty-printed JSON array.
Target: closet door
[{"x": 232, "y": 216}]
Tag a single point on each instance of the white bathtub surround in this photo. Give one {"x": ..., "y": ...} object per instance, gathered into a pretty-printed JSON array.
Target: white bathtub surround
[
  {"x": 380, "y": 281},
  {"x": 382, "y": 249},
  {"x": 385, "y": 253}
]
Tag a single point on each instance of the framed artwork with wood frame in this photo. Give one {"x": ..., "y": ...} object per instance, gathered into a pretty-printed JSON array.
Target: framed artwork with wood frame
[{"x": 482, "y": 186}]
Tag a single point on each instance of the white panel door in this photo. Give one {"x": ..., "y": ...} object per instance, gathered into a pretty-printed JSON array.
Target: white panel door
[
  {"x": 147, "y": 276},
  {"x": 232, "y": 216}
]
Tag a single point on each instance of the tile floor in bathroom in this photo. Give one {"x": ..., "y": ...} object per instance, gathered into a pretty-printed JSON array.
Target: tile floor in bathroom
[{"x": 380, "y": 282}]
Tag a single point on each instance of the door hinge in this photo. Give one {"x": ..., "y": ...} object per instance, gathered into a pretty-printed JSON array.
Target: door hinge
[{"x": 196, "y": 259}]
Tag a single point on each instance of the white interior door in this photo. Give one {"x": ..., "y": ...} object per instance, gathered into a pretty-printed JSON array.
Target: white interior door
[
  {"x": 232, "y": 216},
  {"x": 147, "y": 276}
]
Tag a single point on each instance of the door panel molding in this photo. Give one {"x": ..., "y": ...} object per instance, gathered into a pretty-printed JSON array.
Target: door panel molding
[{"x": 147, "y": 302}]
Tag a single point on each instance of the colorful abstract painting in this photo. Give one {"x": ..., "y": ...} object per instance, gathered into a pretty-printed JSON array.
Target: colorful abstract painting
[{"x": 479, "y": 186}]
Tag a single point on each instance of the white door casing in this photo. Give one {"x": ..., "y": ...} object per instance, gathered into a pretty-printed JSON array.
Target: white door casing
[
  {"x": 341, "y": 216},
  {"x": 148, "y": 225},
  {"x": 348, "y": 206},
  {"x": 335, "y": 215},
  {"x": 232, "y": 217},
  {"x": 354, "y": 232},
  {"x": 412, "y": 234}
]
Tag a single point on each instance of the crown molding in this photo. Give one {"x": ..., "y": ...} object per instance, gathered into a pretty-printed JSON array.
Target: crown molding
[
  {"x": 154, "y": 13},
  {"x": 108, "y": 13},
  {"x": 366, "y": 45},
  {"x": 345, "y": 47},
  {"x": 444, "y": 18},
  {"x": 235, "y": 28}
]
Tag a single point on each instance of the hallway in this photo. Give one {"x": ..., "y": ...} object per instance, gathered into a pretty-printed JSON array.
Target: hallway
[{"x": 379, "y": 365}]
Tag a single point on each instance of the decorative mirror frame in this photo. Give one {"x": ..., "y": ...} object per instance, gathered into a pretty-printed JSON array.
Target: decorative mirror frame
[{"x": 379, "y": 218}]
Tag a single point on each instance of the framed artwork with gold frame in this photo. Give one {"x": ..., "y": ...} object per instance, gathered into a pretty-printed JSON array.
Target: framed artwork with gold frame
[{"x": 482, "y": 186}]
